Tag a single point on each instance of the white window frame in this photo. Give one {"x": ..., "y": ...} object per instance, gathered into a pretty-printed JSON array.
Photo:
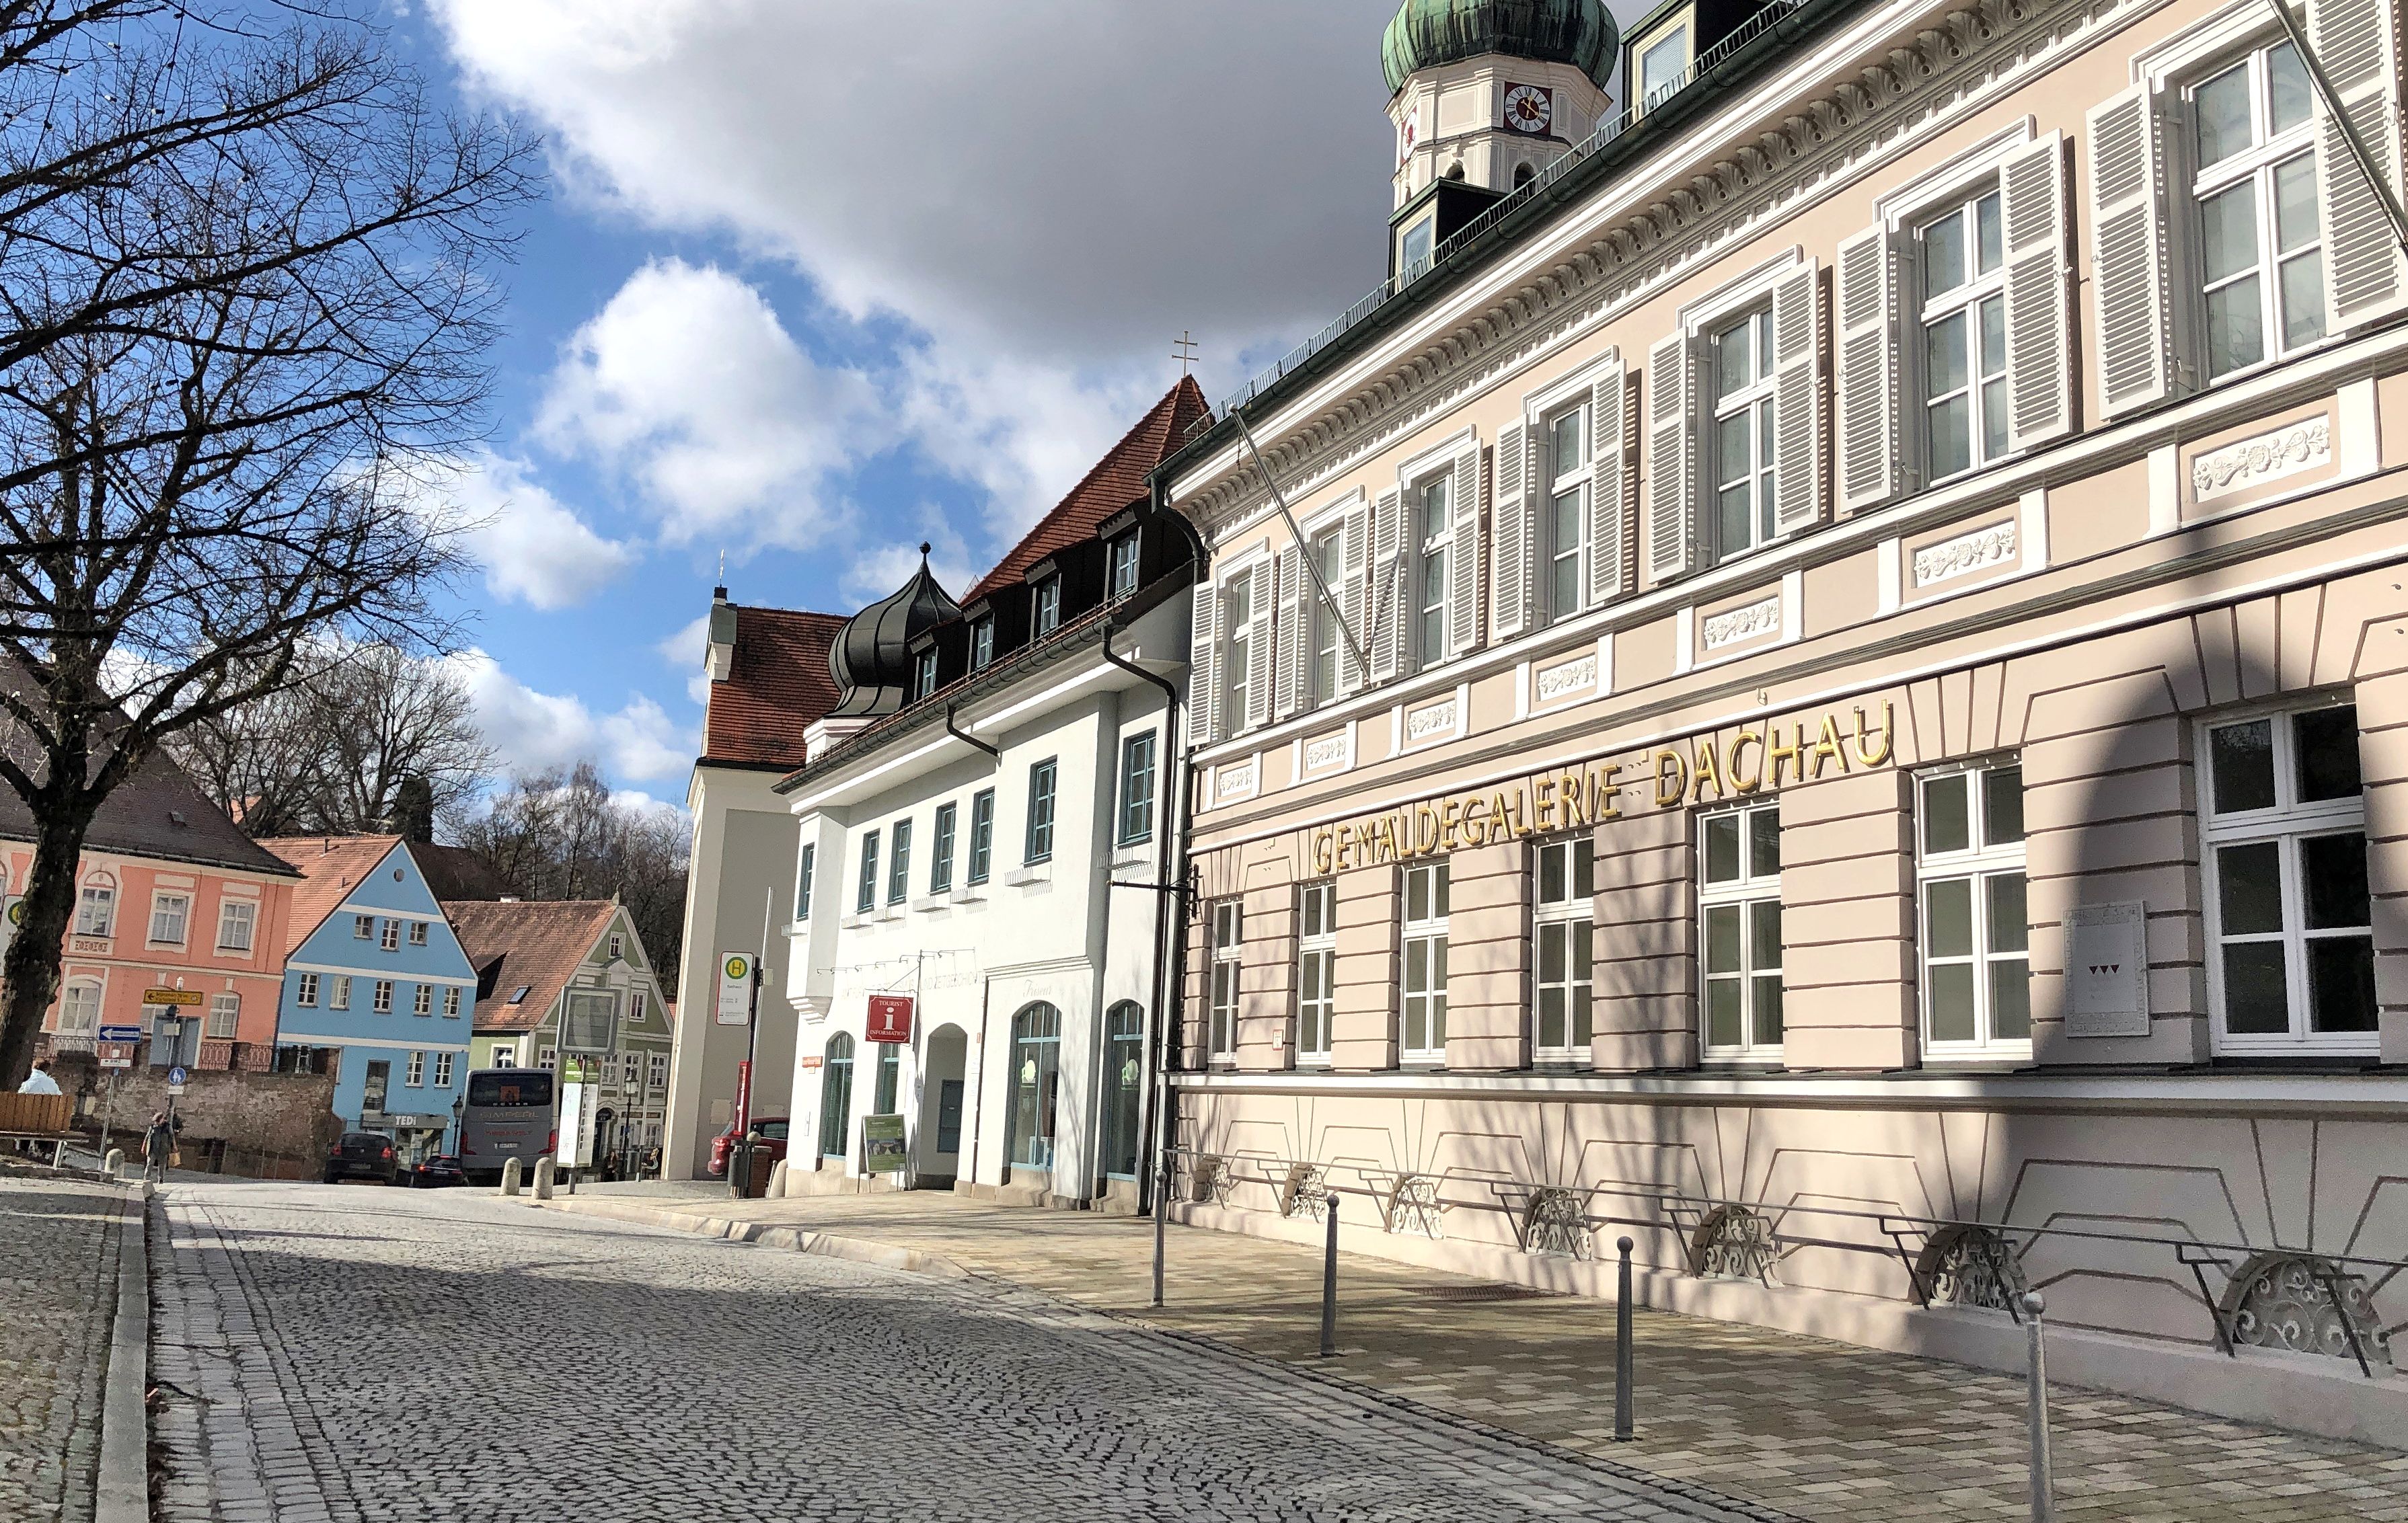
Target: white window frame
[
  {"x": 96, "y": 908},
  {"x": 898, "y": 864},
  {"x": 865, "y": 888},
  {"x": 2256, "y": 165},
  {"x": 618, "y": 946},
  {"x": 1756, "y": 402},
  {"x": 942, "y": 833},
  {"x": 658, "y": 1071},
  {"x": 1576, "y": 481},
  {"x": 1237, "y": 642},
  {"x": 80, "y": 1016},
  {"x": 1567, "y": 921},
  {"x": 1430, "y": 562},
  {"x": 923, "y": 672},
  {"x": 414, "y": 1071},
  {"x": 981, "y": 642},
  {"x": 363, "y": 926},
  {"x": 422, "y": 1000},
  {"x": 805, "y": 863},
  {"x": 160, "y": 901},
  {"x": 418, "y": 933},
  {"x": 305, "y": 989},
  {"x": 1316, "y": 970},
  {"x": 237, "y": 925},
  {"x": 452, "y": 1003},
  {"x": 1964, "y": 303},
  {"x": 1421, "y": 1029},
  {"x": 1323, "y": 666},
  {"x": 224, "y": 1019},
  {"x": 389, "y": 936},
  {"x": 502, "y": 1057},
  {"x": 2286, "y": 822},
  {"x": 548, "y": 1057},
  {"x": 1981, "y": 864},
  {"x": 1045, "y": 605},
  {"x": 380, "y": 998},
  {"x": 1226, "y": 927},
  {"x": 443, "y": 1071},
  {"x": 1747, "y": 890},
  {"x": 1134, "y": 817},
  {"x": 1121, "y": 572},
  {"x": 338, "y": 993}
]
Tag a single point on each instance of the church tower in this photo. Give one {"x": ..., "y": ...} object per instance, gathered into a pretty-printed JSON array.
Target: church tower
[{"x": 1483, "y": 93}]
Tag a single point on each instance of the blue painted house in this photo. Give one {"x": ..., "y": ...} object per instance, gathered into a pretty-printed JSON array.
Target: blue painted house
[{"x": 374, "y": 975}]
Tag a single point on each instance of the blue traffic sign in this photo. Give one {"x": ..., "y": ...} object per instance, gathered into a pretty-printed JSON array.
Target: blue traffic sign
[
  {"x": 121, "y": 1033},
  {"x": 175, "y": 1075}
]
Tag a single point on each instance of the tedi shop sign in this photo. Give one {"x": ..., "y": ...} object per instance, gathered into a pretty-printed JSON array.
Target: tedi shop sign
[{"x": 1706, "y": 770}]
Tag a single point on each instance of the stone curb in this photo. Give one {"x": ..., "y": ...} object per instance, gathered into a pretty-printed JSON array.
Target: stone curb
[
  {"x": 123, "y": 1492},
  {"x": 769, "y": 1235}
]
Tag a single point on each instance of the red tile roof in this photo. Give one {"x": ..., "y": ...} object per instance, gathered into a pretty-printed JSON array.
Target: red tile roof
[
  {"x": 1117, "y": 480},
  {"x": 330, "y": 866},
  {"x": 534, "y": 945},
  {"x": 777, "y": 685}
]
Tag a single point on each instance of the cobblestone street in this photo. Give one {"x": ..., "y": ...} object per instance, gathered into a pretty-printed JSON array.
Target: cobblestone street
[
  {"x": 356, "y": 1354},
  {"x": 58, "y": 1280}
]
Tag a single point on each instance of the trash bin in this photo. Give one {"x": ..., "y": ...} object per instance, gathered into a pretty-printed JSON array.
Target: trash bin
[{"x": 757, "y": 1185}]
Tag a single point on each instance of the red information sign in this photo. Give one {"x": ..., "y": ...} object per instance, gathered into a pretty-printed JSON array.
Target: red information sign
[{"x": 890, "y": 1017}]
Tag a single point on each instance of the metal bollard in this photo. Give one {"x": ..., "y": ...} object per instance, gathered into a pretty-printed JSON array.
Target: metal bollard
[
  {"x": 1161, "y": 1216},
  {"x": 510, "y": 1176},
  {"x": 1329, "y": 1281},
  {"x": 1622, "y": 1429},
  {"x": 2044, "y": 1499}
]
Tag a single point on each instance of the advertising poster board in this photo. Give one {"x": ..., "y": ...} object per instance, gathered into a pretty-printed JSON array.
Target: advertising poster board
[{"x": 882, "y": 1145}]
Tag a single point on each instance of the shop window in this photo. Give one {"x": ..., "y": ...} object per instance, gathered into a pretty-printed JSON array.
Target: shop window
[
  {"x": 864, "y": 896},
  {"x": 1316, "y": 969},
  {"x": 1427, "y": 895},
  {"x": 1740, "y": 943},
  {"x": 1562, "y": 920},
  {"x": 1036, "y": 1085},
  {"x": 1962, "y": 254},
  {"x": 374, "y": 1086},
  {"x": 1124, "y": 1072},
  {"x": 2261, "y": 263},
  {"x": 982, "y": 835},
  {"x": 2289, "y": 914},
  {"x": 836, "y": 1096},
  {"x": 941, "y": 851},
  {"x": 898, "y": 864},
  {"x": 1974, "y": 940},
  {"x": 890, "y": 1076},
  {"x": 96, "y": 910},
  {"x": 1228, "y": 930}
]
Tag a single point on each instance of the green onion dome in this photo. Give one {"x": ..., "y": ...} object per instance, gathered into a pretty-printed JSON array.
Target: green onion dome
[{"x": 1429, "y": 32}]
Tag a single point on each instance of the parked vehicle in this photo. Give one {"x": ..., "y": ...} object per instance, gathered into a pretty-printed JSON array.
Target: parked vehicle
[
  {"x": 773, "y": 1140},
  {"x": 509, "y": 1115},
  {"x": 436, "y": 1170},
  {"x": 361, "y": 1155}
]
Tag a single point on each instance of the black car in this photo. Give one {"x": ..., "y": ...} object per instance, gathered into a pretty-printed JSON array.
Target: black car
[
  {"x": 361, "y": 1155},
  {"x": 440, "y": 1170}
]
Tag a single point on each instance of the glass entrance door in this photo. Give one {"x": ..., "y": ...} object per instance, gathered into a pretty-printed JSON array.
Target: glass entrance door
[
  {"x": 1036, "y": 1085},
  {"x": 1123, "y": 1071}
]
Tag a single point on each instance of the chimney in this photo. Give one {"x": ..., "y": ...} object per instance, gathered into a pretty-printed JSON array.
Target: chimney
[{"x": 718, "y": 661}]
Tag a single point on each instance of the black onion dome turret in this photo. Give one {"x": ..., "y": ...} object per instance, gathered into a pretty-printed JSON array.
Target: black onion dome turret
[{"x": 871, "y": 659}]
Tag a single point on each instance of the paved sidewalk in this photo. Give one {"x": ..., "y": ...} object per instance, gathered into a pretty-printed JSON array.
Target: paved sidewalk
[
  {"x": 1817, "y": 1429},
  {"x": 58, "y": 1290}
]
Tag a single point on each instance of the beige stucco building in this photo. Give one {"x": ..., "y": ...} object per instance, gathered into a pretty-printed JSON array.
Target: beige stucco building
[{"x": 1861, "y": 736}]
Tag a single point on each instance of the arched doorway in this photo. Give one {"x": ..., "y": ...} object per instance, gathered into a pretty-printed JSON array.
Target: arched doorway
[
  {"x": 938, "y": 1141},
  {"x": 1036, "y": 1085},
  {"x": 836, "y": 1098},
  {"x": 1124, "y": 1076}
]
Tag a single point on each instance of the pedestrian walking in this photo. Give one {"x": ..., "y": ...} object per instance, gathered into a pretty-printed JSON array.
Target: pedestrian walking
[{"x": 158, "y": 1146}]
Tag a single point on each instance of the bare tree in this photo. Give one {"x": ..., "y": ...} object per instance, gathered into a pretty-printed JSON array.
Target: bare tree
[
  {"x": 561, "y": 834},
  {"x": 247, "y": 290}
]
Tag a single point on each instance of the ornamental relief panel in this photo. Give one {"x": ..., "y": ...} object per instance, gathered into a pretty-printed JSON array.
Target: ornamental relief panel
[
  {"x": 2233, "y": 469},
  {"x": 1565, "y": 678},
  {"x": 1978, "y": 550},
  {"x": 1748, "y": 621}
]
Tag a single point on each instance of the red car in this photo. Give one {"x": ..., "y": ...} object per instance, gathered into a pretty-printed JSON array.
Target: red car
[{"x": 773, "y": 1141}]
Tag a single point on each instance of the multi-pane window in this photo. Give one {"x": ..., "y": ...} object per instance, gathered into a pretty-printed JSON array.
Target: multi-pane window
[
  {"x": 1316, "y": 968},
  {"x": 415, "y": 1075},
  {"x": 618, "y": 946},
  {"x": 305, "y": 989},
  {"x": 422, "y": 1002},
  {"x": 1137, "y": 789},
  {"x": 502, "y": 1058},
  {"x": 1738, "y": 904},
  {"x": 803, "y": 869},
  {"x": 169, "y": 913},
  {"x": 380, "y": 999},
  {"x": 898, "y": 864},
  {"x": 865, "y": 898},
  {"x": 2261, "y": 261},
  {"x": 1229, "y": 926},
  {"x": 1743, "y": 433},
  {"x": 1566, "y": 548},
  {"x": 1237, "y": 665},
  {"x": 338, "y": 993},
  {"x": 443, "y": 1071},
  {"x": 923, "y": 672},
  {"x": 418, "y": 933},
  {"x": 389, "y": 936},
  {"x": 1430, "y": 567},
  {"x": 940, "y": 851},
  {"x": 1426, "y": 894},
  {"x": 659, "y": 1071},
  {"x": 225, "y": 1017},
  {"x": 981, "y": 642},
  {"x": 1964, "y": 336},
  {"x": 981, "y": 834},
  {"x": 2290, "y": 917},
  {"x": 547, "y": 1058},
  {"x": 79, "y": 1009},
  {"x": 96, "y": 910},
  {"x": 631, "y": 1070},
  {"x": 1041, "y": 778},
  {"x": 236, "y": 919},
  {"x": 1048, "y": 613},
  {"x": 1123, "y": 570},
  {"x": 363, "y": 926},
  {"x": 1562, "y": 921},
  {"x": 1975, "y": 939},
  {"x": 1328, "y": 557},
  {"x": 451, "y": 1002}
]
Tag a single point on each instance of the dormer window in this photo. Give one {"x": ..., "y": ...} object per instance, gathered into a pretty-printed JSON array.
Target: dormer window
[
  {"x": 923, "y": 672},
  {"x": 1124, "y": 566},
  {"x": 981, "y": 642},
  {"x": 1663, "y": 63},
  {"x": 1047, "y": 615}
]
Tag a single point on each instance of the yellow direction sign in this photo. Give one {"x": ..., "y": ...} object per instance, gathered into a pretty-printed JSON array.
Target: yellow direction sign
[{"x": 171, "y": 996}]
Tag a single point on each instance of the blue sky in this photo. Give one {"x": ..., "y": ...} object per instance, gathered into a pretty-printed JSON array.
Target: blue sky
[{"x": 817, "y": 280}]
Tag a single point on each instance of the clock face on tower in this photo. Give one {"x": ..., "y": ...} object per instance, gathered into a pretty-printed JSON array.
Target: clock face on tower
[{"x": 1529, "y": 108}]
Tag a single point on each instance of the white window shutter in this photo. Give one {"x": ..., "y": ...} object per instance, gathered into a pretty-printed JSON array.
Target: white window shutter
[
  {"x": 1671, "y": 495},
  {"x": 2040, "y": 328},
  {"x": 1605, "y": 446},
  {"x": 1287, "y": 681},
  {"x": 1258, "y": 649},
  {"x": 1463, "y": 555},
  {"x": 1798, "y": 431},
  {"x": 1203, "y": 667},
  {"x": 1866, "y": 362},
  {"x": 1354, "y": 596},
  {"x": 1388, "y": 593},
  {"x": 2358, "y": 42},
  {"x": 1509, "y": 576},
  {"x": 2127, "y": 252}
]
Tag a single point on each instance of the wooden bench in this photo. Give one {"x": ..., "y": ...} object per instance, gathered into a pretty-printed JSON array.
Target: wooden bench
[{"x": 49, "y": 1119}]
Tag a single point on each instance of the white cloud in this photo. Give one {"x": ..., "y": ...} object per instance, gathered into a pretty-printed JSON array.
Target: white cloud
[
  {"x": 687, "y": 382},
  {"x": 530, "y": 730},
  {"x": 532, "y": 546},
  {"x": 684, "y": 649},
  {"x": 881, "y": 569}
]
